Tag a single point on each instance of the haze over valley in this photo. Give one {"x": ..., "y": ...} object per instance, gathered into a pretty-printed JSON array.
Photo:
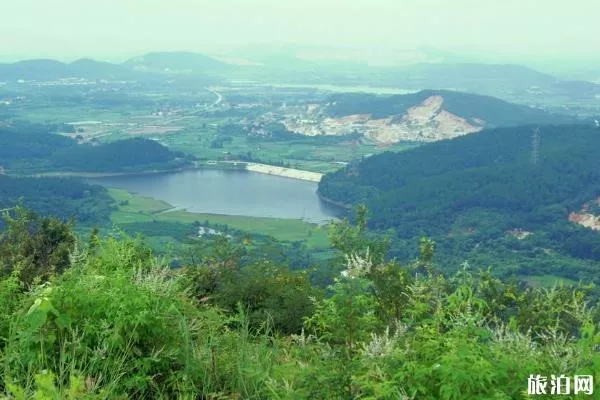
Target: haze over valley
[
  {"x": 299, "y": 200},
  {"x": 286, "y": 113}
]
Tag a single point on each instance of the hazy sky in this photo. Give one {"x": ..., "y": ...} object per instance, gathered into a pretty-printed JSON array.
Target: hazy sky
[{"x": 117, "y": 29}]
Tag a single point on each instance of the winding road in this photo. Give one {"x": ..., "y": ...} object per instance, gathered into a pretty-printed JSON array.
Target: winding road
[{"x": 219, "y": 98}]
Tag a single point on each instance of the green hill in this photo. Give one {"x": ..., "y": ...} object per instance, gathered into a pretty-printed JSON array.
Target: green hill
[
  {"x": 470, "y": 193},
  {"x": 60, "y": 197},
  {"x": 122, "y": 155},
  {"x": 29, "y": 148}
]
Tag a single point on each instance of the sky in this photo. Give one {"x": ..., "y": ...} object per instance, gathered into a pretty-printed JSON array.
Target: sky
[{"x": 114, "y": 30}]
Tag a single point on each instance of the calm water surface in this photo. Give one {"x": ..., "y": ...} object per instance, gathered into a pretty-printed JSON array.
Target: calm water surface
[{"x": 230, "y": 193}]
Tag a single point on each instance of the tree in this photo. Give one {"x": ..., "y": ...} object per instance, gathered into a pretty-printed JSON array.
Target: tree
[
  {"x": 350, "y": 238},
  {"x": 35, "y": 248}
]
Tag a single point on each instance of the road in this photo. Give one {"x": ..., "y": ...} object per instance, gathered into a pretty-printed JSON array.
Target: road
[{"x": 219, "y": 98}]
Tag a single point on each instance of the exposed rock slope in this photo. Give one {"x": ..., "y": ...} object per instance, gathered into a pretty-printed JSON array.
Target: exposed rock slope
[{"x": 425, "y": 116}]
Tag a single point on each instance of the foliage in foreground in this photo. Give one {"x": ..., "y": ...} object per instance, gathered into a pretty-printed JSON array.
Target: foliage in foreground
[{"x": 117, "y": 323}]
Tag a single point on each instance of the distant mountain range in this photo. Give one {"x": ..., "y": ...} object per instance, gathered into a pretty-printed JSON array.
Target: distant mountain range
[
  {"x": 152, "y": 64},
  {"x": 510, "y": 82},
  {"x": 467, "y": 75},
  {"x": 176, "y": 63},
  {"x": 43, "y": 69}
]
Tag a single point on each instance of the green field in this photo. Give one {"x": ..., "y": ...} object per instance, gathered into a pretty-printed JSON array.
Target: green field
[
  {"x": 198, "y": 133},
  {"x": 129, "y": 203},
  {"x": 136, "y": 209},
  {"x": 58, "y": 114},
  {"x": 195, "y": 131},
  {"x": 315, "y": 157}
]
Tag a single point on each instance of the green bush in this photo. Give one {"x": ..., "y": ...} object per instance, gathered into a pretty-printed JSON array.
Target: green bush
[{"x": 118, "y": 324}]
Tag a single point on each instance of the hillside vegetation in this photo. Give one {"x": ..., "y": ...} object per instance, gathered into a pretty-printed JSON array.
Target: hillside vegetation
[
  {"x": 473, "y": 193},
  {"x": 30, "y": 148},
  {"x": 105, "y": 319},
  {"x": 64, "y": 198}
]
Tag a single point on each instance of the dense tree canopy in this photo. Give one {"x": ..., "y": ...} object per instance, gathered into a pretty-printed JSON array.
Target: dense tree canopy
[
  {"x": 471, "y": 192},
  {"x": 61, "y": 197},
  {"x": 116, "y": 156},
  {"x": 27, "y": 148}
]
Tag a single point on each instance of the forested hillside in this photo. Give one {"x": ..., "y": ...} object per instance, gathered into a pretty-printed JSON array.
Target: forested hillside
[
  {"x": 106, "y": 319},
  {"x": 472, "y": 194},
  {"x": 24, "y": 145},
  {"x": 64, "y": 198},
  {"x": 123, "y": 155},
  {"x": 29, "y": 148}
]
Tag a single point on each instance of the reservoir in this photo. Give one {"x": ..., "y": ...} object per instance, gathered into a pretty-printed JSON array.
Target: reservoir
[{"x": 233, "y": 192}]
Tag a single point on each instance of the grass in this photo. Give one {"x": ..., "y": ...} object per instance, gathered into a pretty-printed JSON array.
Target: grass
[
  {"x": 136, "y": 209},
  {"x": 61, "y": 114},
  {"x": 130, "y": 203}
]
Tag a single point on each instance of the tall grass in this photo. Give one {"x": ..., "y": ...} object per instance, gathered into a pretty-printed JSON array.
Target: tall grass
[{"x": 119, "y": 324}]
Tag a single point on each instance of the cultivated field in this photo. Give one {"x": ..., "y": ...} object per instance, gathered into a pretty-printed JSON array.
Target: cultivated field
[{"x": 135, "y": 209}]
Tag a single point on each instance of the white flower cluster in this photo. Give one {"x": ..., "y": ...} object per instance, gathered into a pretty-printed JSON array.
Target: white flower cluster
[
  {"x": 157, "y": 280},
  {"x": 560, "y": 346},
  {"x": 383, "y": 345},
  {"x": 513, "y": 339},
  {"x": 77, "y": 256},
  {"x": 302, "y": 339},
  {"x": 358, "y": 266}
]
